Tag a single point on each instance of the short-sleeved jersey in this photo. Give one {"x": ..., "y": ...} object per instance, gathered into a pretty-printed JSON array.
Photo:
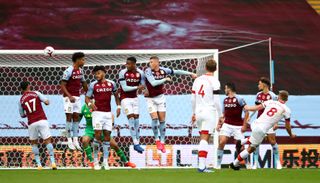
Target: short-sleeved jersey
[
  {"x": 30, "y": 106},
  {"x": 87, "y": 114},
  {"x": 203, "y": 87},
  {"x": 132, "y": 79},
  {"x": 273, "y": 113},
  {"x": 262, "y": 97},
  {"x": 102, "y": 92},
  {"x": 232, "y": 108},
  {"x": 74, "y": 78},
  {"x": 156, "y": 75}
]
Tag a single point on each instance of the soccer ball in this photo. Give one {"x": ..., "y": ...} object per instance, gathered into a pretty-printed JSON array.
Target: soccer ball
[{"x": 48, "y": 51}]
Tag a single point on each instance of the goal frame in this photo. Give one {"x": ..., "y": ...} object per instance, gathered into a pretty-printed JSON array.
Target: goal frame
[{"x": 204, "y": 52}]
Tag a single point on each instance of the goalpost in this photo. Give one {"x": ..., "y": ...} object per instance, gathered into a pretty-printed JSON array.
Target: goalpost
[{"x": 44, "y": 73}]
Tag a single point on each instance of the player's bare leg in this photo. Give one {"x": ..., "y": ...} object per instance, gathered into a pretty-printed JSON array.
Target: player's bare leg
[
  {"x": 75, "y": 131},
  {"x": 162, "y": 130},
  {"x": 36, "y": 153},
  {"x": 222, "y": 142},
  {"x": 87, "y": 149},
  {"x": 106, "y": 148},
  {"x": 51, "y": 153},
  {"x": 96, "y": 148},
  {"x": 120, "y": 153},
  {"x": 272, "y": 140},
  {"x": 69, "y": 130},
  {"x": 203, "y": 152},
  {"x": 134, "y": 133}
]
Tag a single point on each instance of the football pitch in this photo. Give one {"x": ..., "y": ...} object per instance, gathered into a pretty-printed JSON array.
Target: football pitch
[{"x": 160, "y": 176}]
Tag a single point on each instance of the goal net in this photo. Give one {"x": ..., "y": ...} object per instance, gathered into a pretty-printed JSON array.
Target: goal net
[{"x": 45, "y": 73}]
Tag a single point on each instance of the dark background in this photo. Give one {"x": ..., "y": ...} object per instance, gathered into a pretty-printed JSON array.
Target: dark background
[{"x": 149, "y": 24}]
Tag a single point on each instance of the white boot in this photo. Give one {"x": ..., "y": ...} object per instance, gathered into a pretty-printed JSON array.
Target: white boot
[
  {"x": 105, "y": 165},
  {"x": 96, "y": 166},
  {"x": 279, "y": 166},
  {"x": 76, "y": 143},
  {"x": 70, "y": 144},
  {"x": 254, "y": 166}
]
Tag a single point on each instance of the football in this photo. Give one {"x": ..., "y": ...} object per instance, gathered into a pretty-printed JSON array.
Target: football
[{"x": 48, "y": 51}]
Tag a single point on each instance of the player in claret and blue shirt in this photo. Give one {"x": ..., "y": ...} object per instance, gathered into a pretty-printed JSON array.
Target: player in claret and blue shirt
[
  {"x": 72, "y": 82},
  {"x": 30, "y": 107},
  {"x": 101, "y": 91},
  {"x": 156, "y": 77},
  {"x": 132, "y": 82}
]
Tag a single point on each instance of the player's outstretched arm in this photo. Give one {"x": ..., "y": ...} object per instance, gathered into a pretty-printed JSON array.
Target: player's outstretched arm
[
  {"x": 43, "y": 99},
  {"x": 127, "y": 88},
  {"x": 123, "y": 83},
  {"x": 182, "y": 72},
  {"x": 153, "y": 81},
  {"x": 253, "y": 108}
]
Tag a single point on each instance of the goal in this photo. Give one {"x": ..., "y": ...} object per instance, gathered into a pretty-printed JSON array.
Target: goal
[{"x": 44, "y": 73}]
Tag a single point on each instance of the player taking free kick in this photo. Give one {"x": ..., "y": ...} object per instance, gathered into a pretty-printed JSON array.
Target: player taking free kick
[{"x": 273, "y": 112}]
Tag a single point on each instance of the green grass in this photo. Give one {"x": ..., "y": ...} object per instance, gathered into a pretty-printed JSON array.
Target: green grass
[{"x": 160, "y": 176}]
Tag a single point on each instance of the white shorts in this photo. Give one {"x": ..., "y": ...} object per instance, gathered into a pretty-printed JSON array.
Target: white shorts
[
  {"x": 156, "y": 104},
  {"x": 72, "y": 107},
  {"x": 102, "y": 120},
  {"x": 231, "y": 131},
  {"x": 207, "y": 120},
  {"x": 39, "y": 128},
  {"x": 257, "y": 136},
  {"x": 130, "y": 105}
]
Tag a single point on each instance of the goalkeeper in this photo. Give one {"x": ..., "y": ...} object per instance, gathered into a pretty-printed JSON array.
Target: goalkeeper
[{"x": 89, "y": 135}]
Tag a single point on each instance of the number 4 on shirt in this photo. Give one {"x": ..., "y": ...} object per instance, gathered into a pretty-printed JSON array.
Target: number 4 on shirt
[{"x": 201, "y": 91}]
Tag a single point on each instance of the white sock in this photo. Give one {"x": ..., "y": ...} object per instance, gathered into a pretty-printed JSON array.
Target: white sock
[
  {"x": 69, "y": 140},
  {"x": 75, "y": 140},
  {"x": 220, "y": 155},
  {"x": 105, "y": 147},
  {"x": 243, "y": 155},
  {"x": 203, "y": 152},
  {"x": 96, "y": 149}
]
